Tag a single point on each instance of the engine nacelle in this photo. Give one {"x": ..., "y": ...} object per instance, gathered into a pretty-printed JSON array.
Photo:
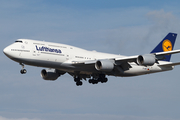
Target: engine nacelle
[
  {"x": 147, "y": 60},
  {"x": 50, "y": 74},
  {"x": 104, "y": 65}
]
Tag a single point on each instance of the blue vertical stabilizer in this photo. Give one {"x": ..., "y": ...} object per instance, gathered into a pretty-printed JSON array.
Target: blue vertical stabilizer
[{"x": 167, "y": 44}]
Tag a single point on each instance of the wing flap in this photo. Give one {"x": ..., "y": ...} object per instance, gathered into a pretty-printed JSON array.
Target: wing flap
[
  {"x": 84, "y": 62},
  {"x": 127, "y": 59}
]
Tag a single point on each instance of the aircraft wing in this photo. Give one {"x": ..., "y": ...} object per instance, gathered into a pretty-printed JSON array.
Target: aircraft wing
[
  {"x": 127, "y": 59},
  {"x": 121, "y": 59},
  {"x": 84, "y": 62},
  {"x": 167, "y": 52},
  {"x": 158, "y": 55},
  {"x": 169, "y": 64}
]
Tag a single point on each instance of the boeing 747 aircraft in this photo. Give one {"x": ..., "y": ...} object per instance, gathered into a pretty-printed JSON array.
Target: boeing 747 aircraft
[{"x": 83, "y": 64}]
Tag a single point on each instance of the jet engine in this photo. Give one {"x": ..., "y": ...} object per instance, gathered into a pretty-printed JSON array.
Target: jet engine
[
  {"x": 147, "y": 60},
  {"x": 104, "y": 65},
  {"x": 50, "y": 74}
]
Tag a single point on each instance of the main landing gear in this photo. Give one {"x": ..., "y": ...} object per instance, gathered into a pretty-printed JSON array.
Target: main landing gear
[
  {"x": 23, "y": 71},
  {"x": 78, "y": 81},
  {"x": 101, "y": 79},
  {"x": 95, "y": 80}
]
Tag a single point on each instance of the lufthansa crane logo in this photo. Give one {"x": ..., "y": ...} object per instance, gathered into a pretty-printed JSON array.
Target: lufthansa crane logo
[{"x": 167, "y": 45}]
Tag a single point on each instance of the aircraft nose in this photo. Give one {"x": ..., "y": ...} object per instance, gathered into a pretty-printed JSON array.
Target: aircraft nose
[{"x": 6, "y": 51}]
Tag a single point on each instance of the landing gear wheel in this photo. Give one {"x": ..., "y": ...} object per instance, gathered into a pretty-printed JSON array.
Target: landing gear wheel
[
  {"x": 93, "y": 81},
  {"x": 90, "y": 80},
  {"x": 23, "y": 71},
  {"x": 104, "y": 80},
  {"x": 79, "y": 83},
  {"x": 76, "y": 79}
]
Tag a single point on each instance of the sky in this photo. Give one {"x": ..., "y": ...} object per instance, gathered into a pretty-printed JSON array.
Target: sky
[{"x": 124, "y": 27}]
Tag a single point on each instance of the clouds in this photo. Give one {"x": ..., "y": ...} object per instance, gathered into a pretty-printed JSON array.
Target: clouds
[
  {"x": 95, "y": 116},
  {"x": 3, "y": 118},
  {"x": 160, "y": 23},
  {"x": 163, "y": 21}
]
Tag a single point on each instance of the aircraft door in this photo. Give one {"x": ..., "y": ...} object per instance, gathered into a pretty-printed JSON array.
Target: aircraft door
[{"x": 69, "y": 54}]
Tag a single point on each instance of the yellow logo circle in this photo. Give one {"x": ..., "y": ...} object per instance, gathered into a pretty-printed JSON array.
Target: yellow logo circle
[{"x": 167, "y": 45}]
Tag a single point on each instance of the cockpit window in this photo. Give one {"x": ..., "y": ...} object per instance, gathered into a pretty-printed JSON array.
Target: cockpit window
[{"x": 18, "y": 41}]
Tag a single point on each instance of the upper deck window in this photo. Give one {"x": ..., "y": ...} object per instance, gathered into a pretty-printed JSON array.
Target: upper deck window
[{"x": 18, "y": 41}]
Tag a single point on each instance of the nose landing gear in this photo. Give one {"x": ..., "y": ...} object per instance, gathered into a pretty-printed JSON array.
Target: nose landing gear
[{"x": 23, "y": 71}]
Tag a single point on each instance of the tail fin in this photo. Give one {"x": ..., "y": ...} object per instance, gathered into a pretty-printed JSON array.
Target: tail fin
[{"x": 167, "y": 44}]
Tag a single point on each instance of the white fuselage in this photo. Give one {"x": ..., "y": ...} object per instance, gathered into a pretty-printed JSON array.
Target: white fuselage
[{"x": 63, "y": 57}]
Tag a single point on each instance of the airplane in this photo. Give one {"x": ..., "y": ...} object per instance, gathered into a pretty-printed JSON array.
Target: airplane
[{"x": 82, "y": 64}]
